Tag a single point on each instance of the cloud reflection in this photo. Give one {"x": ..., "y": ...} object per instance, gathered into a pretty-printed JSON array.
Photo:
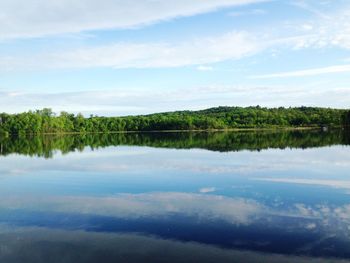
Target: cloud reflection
[
  {"x": 203, "y": 206},
  {"x": 345, "y": 184},
  {"x": 209, "y": 207},
  {"x": 238, "y": 222}
]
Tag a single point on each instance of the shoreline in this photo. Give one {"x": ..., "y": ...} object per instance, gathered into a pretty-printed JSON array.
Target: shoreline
[{"x": 184, "y": 131}]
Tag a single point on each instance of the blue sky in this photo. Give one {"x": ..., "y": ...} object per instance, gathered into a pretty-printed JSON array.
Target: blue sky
[{"x": 114, "y": 57}]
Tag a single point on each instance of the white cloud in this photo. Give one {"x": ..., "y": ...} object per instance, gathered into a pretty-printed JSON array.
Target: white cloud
[
  {"x": 33, "y": 18},
  {"x": 233, "y": 45},
  {"x": 306, "y": 6},
  {"x": 200, "y": 52},
  {"x": 205, "y": 68},
  {"x": 64, "y": 17},
  {"x": 249, "y": 12},
  {"x": 326, "y": 30},
  {"x": 307, "y": 72}
]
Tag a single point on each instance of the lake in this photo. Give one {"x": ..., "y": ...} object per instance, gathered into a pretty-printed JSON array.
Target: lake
[{"x": 176, "y": 197}]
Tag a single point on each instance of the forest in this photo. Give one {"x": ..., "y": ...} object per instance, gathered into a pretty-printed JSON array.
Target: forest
[{"x": 46, "y": 121}]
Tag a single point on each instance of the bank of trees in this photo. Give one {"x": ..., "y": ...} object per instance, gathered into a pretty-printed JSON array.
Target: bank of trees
[{"x": 45, "y": 121}]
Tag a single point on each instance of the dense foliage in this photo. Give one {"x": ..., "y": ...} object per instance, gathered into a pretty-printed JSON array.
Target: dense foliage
[
  {"x": 45, "y": 121},
  {"x": 46, "y": 145}
]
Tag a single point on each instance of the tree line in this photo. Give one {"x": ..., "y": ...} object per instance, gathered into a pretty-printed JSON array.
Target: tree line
[{"x": 46, "y": 121}]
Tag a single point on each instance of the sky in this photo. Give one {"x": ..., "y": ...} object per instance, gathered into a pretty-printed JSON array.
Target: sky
[{"x": 115, "y": 57}]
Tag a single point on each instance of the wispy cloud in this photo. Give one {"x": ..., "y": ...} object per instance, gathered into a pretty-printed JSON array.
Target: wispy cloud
[
  {"x": 205, "y": 68},
  {"x": 330, "y": 29},
  {"x": 307, "y": 72},
  {"x": 35, "y": 18},
  {"x": 198, "y": 51},
  {"x": 249, "y": 12},
  {"x": 124, "y": 101},
  {"x": 306, "y": 6},
  {"x": 201, "y": 51}
]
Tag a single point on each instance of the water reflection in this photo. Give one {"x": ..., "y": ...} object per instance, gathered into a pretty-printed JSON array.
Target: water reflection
[
  {"x": 175, "y": 201},
  {"x": 206, "y": 219},
  {"x": 46, "y": 145},
  {"x": 36, "y": 245}
]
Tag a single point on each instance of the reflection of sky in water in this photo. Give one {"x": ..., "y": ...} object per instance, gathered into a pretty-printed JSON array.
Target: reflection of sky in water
[
  {"x": 285, "y": 201},
  {"x": 89, "y": 247}
]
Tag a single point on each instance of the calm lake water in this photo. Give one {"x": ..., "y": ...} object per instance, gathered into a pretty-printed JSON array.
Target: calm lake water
[{"x": 176, "y": 197}]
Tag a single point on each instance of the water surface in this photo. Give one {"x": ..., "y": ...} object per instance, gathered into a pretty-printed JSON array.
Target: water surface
[{"x": 176, "y": 197}]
